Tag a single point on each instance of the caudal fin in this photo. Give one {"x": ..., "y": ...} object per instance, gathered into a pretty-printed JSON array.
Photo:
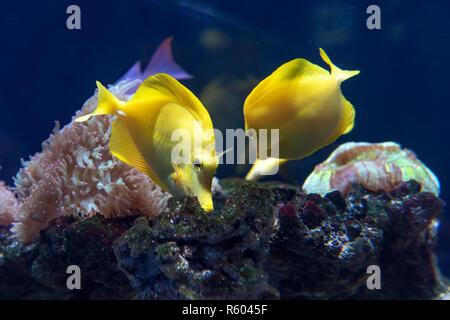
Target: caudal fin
[
  {"x": 107, "y": 104},
  {"x": 342, "y": 74},
  {"x": 162, "y": 62}
]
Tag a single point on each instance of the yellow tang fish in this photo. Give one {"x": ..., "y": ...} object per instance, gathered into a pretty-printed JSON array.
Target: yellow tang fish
[
  {"x": 303, "y": 101},
  {"x": 142, "y": 136}
]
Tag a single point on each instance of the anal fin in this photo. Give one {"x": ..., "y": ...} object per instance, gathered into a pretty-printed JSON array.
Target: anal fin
[
  {"x": 348, "y": 116},
  {"x": 347, "y": 120}
]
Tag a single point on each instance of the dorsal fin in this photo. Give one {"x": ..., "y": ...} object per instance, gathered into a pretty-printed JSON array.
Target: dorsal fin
[
  {"x": 292, "y": 70},
  {"x": 327, "y": 60},
  {"x": 297, "y": 68},
  {"x": 164, "y": 87}
]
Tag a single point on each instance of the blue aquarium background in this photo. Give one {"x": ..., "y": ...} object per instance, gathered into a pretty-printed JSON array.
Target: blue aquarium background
[{"x": 401, "y": 95}]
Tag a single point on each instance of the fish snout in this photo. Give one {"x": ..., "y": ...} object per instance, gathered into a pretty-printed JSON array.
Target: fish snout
[
  {"x": 206, "y": 203},
  {"x": 208, "y": 208}
]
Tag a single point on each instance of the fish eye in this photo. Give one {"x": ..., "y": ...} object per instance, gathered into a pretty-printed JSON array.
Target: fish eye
[{"x": 198, "y": 164}]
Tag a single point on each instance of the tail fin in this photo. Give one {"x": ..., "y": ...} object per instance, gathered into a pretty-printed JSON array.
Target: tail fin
[
  {"x": 344, "y": 74},
  {"x": 107, "y": 104},
  {"x": 162, "y": 62}
]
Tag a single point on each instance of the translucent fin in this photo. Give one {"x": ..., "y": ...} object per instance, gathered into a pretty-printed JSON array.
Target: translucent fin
[
  {"x": 162, "y": 86},
  {"x": 123, "y": 147},
  {"x": 162, "y": 62},
  {"x": 133, "y": 73},
  {"x": 344, "y": 74},
  {"x": 107, "y": 104}
]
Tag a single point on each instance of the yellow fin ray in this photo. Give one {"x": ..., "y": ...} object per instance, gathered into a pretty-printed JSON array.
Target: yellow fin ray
[
  {"x": 123, "y": 147},
  {"x": 163, "y": 86},
  {"x": 293, "y": 70},
  {"x": 300, "y": 68}
]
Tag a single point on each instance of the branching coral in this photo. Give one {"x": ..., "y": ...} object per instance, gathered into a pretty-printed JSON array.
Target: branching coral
[
  {"x": 8, "y": 205},
  {"x": 75, "y": 174}
]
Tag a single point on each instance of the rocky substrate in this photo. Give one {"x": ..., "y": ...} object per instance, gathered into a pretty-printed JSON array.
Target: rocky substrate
[{"x": 263, "y": 241}]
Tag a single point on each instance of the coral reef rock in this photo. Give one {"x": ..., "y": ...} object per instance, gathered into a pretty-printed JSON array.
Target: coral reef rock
[
  {"x": 190, "y": 255},
  {"x": 377, "y": 166},
  {"x": 265, "y": 240}
]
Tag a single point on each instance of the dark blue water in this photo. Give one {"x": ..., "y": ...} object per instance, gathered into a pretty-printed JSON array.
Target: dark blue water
[{"x": 401, "y": 95}]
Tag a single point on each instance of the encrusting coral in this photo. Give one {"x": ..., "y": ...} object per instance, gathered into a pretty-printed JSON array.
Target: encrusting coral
[
  {"x": 8, "y": 205},
  {"x": 376, "y": 166},
  {"x": 75, "y": 174}
]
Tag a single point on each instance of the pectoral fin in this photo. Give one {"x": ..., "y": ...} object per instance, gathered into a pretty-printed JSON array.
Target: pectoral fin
[
  {"x": 177, "y": 175},
  {"x": 123, "y": 147}
]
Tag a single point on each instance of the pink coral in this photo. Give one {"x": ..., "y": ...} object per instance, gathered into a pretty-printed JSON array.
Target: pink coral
[
  {"x": 8, "y": 205},
  {"x": 75, "y": 174},
  {"x": 376, "y": 166}
]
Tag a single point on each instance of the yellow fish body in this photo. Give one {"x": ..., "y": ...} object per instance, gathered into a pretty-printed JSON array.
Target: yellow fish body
[
  {"x": 303, "y": 101},
  {"x": 142, "y": 136}
]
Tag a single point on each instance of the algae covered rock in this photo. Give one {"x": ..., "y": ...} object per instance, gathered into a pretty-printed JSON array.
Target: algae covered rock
[
  {"x": 86, "y": 243},
  {"x": 324, "y": 245},
  {"x": 190, "y": 255},
  {"x": 15, "y": 279},
  {"x": 265, "y": 240}
]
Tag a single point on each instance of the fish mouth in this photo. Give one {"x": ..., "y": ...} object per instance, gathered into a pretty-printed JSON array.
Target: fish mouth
[
  {"x": 208, "y": 208},
  {"x": 206, "y": 204}
]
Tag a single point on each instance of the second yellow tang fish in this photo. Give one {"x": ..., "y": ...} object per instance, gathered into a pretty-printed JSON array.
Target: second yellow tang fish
[
  {"x": 303, "y": 101},
  {"x": 142, "y": 136}
]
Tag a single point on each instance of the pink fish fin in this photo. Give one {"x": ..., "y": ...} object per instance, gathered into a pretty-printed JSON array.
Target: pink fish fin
[
  {"x": 133, "y": 73},
  {"x": 162, "y": 62}
]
